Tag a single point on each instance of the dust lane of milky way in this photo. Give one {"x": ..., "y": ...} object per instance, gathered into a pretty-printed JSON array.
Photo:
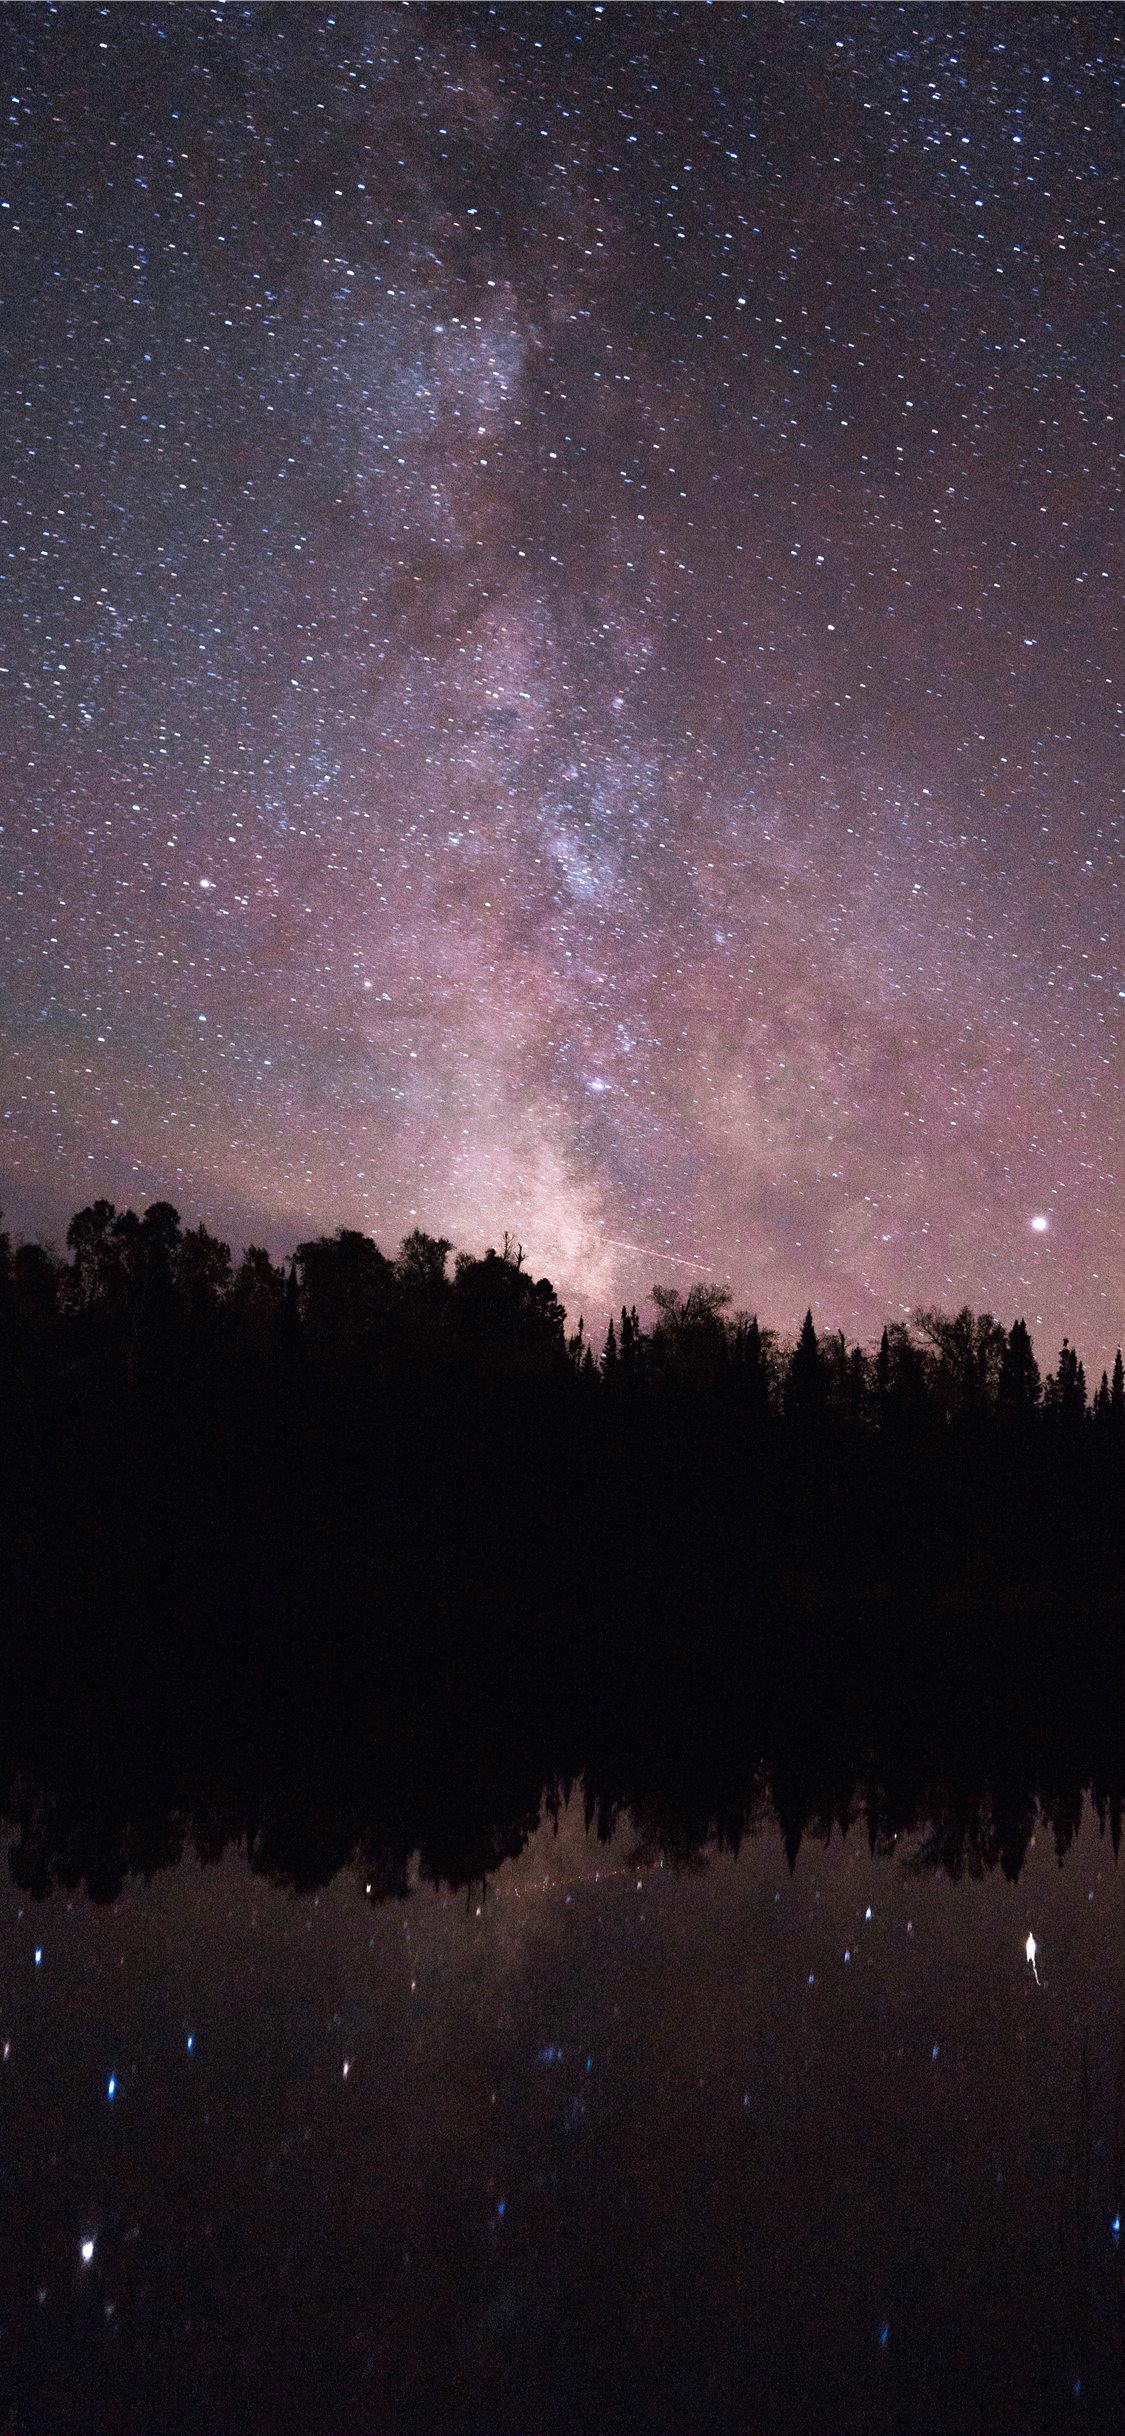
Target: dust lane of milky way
[{"x": 563, "y": 656}]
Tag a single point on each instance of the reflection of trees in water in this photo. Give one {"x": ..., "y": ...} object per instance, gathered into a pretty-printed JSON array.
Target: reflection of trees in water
[{"x": 442, "y": 1755}]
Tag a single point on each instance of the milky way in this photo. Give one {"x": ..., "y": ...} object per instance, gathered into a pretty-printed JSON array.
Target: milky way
[{"x": 563, "y": 640}]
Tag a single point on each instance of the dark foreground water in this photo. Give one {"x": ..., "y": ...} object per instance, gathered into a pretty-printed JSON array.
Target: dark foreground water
[{"x": 605, "y": 2146}]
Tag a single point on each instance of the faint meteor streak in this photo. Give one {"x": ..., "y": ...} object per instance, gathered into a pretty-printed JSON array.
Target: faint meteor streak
[
  {"x": 1031, "y": 1950},
  {"x": 701, "y": 1267}
]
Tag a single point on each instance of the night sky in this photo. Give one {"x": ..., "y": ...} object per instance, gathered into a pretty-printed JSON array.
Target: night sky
[{"x": 562, "y": 641}]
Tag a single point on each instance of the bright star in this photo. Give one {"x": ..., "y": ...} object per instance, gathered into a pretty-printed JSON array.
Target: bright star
[{"x": 1040, "y": 1224}]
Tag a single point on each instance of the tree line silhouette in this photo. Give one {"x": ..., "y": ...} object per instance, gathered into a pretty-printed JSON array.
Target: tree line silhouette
[
  {"x": 168, "y": 1418},
  {"x": 367, "y": 1555}
]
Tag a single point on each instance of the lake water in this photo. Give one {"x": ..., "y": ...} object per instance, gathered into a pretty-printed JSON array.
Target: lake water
[{"x": 607, "y": 2145}]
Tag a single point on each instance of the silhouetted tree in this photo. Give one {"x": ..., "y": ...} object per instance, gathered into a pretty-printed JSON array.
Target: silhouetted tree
[
  {"x": 858, "y": 1384},
  {"x": 203, "y": 1274},
  {"x": 629, "y": 1343},
  {"x": 506, "y": 1315},
  {"x": 162, "y": 1232},
  {"x": 901, "y": 1381},
  {"x": 968, "y": 1351},
  {"x": 699, "y": 1312},
  {"x": 1065, "y": 1395},
  {"x": 1017, "y": 1391},
  {"x": 1109, "y": 1412},
  {"x": 805, "y": 1379},
  {"x": 345, "y": 1285},
  {"x": 37, "y": 1278},
  {"x": 420, "y": 1266},
  {"x": 95, "y": 1269},
  {"x": 256, "y": 1302},
  {"x": 755, "y": 1367}
]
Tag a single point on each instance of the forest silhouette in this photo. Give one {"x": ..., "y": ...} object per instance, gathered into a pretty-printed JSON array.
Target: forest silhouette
[{"x": 357, "y": 1558}]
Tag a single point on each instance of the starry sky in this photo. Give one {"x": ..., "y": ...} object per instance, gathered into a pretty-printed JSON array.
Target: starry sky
[{"x": 562, "y": 640}]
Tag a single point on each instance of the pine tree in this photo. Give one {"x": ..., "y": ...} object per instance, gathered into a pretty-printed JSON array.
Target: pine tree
[
  {"x": 630, "y": 1342},
  {"x": 1018, "y": 1384},
  {"x": 1065, "y": 1398},
  {"x": 804, "y": 1383}
]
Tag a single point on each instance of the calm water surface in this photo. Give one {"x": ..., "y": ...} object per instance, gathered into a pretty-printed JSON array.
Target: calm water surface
[{"x": 609, "y": 2146}]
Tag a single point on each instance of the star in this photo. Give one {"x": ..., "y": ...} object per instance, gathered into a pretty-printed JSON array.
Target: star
[{"x": 625, "y": 730}]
